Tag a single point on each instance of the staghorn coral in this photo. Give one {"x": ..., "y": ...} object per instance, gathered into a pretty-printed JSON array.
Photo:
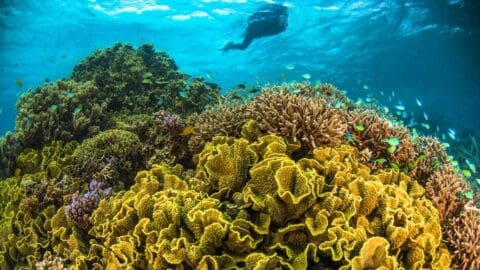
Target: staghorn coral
[
  {"x": 444, "y": 187},
  {"x": 463, "y": 238},
  {"x": 372, "y": 136},
  {"x": 429, "y": 156},
  {"x": 310, "y": 122}
]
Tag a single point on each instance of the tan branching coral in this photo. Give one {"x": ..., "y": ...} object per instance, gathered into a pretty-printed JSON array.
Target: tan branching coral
[
  {"x": 311, "y": 122},
  {"x": 369, "y": 132},
  {"x": 429, "y": 155},
  {"x": 220, "y": 120},
  {"x": 444, "y": 188},
  {"x": 464, "y": 238}
]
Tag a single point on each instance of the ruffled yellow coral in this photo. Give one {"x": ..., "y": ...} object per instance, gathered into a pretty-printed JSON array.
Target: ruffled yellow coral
[{"x": 256, "y": 207}]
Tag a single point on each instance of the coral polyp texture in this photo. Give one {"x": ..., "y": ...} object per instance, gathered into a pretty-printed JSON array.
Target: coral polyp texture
[{"x": 131, "y": 164}]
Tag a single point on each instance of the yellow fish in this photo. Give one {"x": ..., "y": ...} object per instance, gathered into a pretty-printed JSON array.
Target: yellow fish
[
  {"x": 19, "y": 83},
  {"x": 187, "y": 131}
]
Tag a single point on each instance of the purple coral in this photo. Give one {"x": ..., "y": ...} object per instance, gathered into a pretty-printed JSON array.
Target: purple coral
[
  {"x": 81, "y": 207},
  {"x": 168, "y": 122}
]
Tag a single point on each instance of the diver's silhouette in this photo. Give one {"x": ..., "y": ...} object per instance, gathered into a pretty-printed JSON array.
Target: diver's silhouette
[{"x": 268, "y": 20}]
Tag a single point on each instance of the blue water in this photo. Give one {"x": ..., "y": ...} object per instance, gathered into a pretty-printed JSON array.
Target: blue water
[{"x": 425, "y": 50}]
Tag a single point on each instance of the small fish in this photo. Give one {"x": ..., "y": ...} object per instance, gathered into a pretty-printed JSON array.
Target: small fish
[
  {"x": 395, "y": 166},
  {"x": 54, "y": 107},
  {"x": 1, "y": 110},
  {"x": 241, "y": 86},
  {"x": 404, "y": 115},
  {"x": 183, "y": 94},
  {"x": 451, "y": 133},
  {"x": 360, "y": 128},
  {"x": 422, "y": 157},
  {"x": 393, "y": 94},
  {"x": 386, "y": 110},
  {"x": 47, "y": 80},
  {"x": 307, "y": 76},
  {"x": 467, "y": 173},
  {"x": 436, "y": 165},
  {"x": 392, "y": 149},
  {"x": 338, "y": 105},
  {"x": 19, "y": 83},
  {"x": 381, "y": 93},
  {"x": 468, "y": 195},
  {"x": 393, "y": 141},
  {"x": 29, "y": 122},
  {"x": 283, "y": 75},
  {"x": 77, "y": 110},
  {"x": 350, "y": 138},
  {"x": 208, "y": 75},
  {"x": 63, "y": 56},
  {"x": 187, "y": 131},
  {"x": 289, "y": 67},
  {"x": 253, "y": 90},
  {"x": 69, "y": 94},
  {"x": 18, "y": 172},
  {"x": 471, "y": 166},
  {"x": 369, "y": 100},
  {"x": 418, "y": 102},
  {"x": 365, "y": 87},
  {"x": 400, "y": 107},
  {"x": 425, "y": 125},
  {"x": 160, "y": 101},
  {"x": 410, "y": 165},
  {"x": 425, "y": 116},
  {"x": 296, "y": 91},
  {"x": 380, "y": 160}
]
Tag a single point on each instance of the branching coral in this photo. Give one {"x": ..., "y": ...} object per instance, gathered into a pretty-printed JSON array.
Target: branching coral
[
  {"x": 464, "y": 238},
  {"x": 219, "y": 120},
  {"x": 310, "y": 122},
  {"x": 369, "y": 132},
  {"x": 444, "y": 188},
  {"x": 429, "y": 156}
]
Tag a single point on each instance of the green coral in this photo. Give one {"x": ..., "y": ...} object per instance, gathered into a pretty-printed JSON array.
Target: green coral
[{"x": 119, "y": 149}]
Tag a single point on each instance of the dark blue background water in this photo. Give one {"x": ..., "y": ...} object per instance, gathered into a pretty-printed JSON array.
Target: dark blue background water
[{"x": 425, "y": 50}]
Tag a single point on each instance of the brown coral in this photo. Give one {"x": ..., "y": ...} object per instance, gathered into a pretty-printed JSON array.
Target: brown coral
[
  {"x": 219, "y": 120},
  {"x": 429, "y": 155},
  {"x": 369, "y": 131},
  {"x": 464, "y": 239},
  {"x": 443, "y": 188},
  {"x": 311, "y": 122}
]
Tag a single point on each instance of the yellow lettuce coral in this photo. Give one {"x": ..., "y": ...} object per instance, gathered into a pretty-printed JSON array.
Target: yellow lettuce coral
[{"x": 251, "y": 205}]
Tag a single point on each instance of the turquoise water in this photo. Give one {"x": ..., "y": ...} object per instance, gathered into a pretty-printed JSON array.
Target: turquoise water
[{"x": 425, "y": 50}]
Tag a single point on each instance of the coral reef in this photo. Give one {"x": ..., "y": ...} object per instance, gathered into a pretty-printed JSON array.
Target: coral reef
[{"x": 131, "y": 164}]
